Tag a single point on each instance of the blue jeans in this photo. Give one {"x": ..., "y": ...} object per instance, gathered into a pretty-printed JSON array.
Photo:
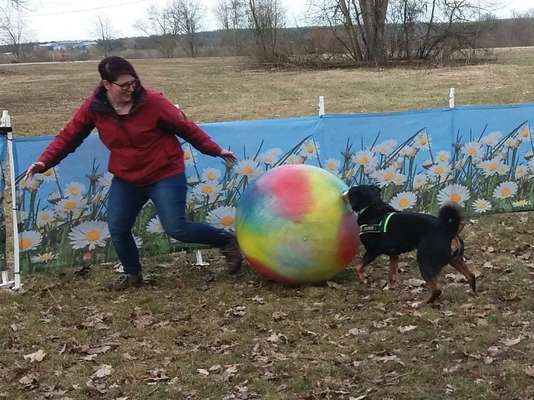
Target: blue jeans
[{"x": 126, "y": 200}]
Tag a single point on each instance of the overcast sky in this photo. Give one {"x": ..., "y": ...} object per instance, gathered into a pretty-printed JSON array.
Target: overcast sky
[{"x": 68, "y": 20}]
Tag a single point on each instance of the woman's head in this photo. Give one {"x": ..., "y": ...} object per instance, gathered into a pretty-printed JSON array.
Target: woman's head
[{"x": 119, "y": 78}]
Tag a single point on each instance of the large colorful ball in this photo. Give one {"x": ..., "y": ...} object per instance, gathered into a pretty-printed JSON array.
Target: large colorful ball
[{"x": 293, "y": 226}]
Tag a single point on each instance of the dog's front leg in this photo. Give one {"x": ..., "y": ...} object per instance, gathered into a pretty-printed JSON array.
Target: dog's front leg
[
  {"x": 393, "y": 271},
  {"x": 360, "y": 268}
]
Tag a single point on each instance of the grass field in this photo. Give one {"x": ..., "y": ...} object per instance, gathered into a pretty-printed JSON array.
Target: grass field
[{"x": 197, "y": 333}]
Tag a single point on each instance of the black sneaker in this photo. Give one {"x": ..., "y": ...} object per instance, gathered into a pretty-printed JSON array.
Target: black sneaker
[
  {"x": 233, "y": 256},
  {"x": 125, "y": 281}
]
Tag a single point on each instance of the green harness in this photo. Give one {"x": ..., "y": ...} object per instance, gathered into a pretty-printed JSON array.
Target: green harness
[{"x": 381, "y": 227}]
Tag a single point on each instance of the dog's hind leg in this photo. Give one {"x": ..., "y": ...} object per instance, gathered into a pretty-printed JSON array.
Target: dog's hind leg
[
  {"x": 459, "y": 264},
  {"x": 393, "y": 271},
  {"x": 435, "y": 291},
  {"x": 366, "y": 260}
]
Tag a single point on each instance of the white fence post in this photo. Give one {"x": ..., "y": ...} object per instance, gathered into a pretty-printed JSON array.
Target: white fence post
[
  {"x": 321, "y": 106},
  {"x": 5, "y": 127},
  {"x": 452, "y": 100}
]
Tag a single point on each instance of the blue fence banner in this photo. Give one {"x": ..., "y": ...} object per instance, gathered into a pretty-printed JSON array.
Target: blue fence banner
[{"x": 479, "y": 157}]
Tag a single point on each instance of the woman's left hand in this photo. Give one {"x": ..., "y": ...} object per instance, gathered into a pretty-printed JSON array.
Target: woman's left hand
[{"x": 228, "y": 157}]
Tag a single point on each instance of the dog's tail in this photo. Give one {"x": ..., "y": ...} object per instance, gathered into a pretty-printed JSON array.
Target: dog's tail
[{"x": 451, "y": 216}]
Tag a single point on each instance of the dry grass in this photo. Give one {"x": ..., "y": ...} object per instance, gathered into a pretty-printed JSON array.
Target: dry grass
[{"x": 199, "y": 334}]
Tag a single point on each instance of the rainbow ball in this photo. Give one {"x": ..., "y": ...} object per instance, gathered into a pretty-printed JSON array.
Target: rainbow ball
[{"x": 293, "y": 226}]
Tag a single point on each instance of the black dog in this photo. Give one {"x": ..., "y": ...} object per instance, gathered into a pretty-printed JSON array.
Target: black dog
[{"x": 384, "y": 230}]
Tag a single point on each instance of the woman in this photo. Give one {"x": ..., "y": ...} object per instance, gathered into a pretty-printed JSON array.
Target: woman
[{"x": 138, "y": 126}]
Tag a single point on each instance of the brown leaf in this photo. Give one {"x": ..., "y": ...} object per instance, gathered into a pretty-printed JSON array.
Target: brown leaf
[
  {"x": 529, "y": 371},
  {"x": 511, "y": 342},
  {"x": 404, "y": 329}
]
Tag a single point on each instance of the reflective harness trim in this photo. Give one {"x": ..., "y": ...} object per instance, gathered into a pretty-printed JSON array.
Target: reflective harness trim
[{"x": 377, "y": 228}]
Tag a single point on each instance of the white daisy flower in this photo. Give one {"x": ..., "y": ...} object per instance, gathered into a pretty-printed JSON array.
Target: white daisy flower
[
  {"x": 472, "y": 149},
  {"x": 422, "y": 141},
  {"x": 51, "y": 175},
  {"x": 295, "y": 159},
  {"x": 89, "y": 234},
  {"x": 403, "y": 200},
  {"x": 524, "y": 134},
  {"x": 505, "y": 190},
  {"x": 222, "y": 217},
  {"x": 155, "y": 226},
  {"x": 29, "y": 240},
  {"x": 502, "y": 169},
  {"x": 193, "y": 180},
  {"x": 138, "y": 241},
  {"x": 248, "y": 168},
  {"x": 349, "y": 173},
  {"x": 386, "y": 147},
  {"x": 105, "y": 180},
  {"x": 31, "y": 186},
  {"x": 408, "y": 151},
  {"x": 512, "y": 143},
  {"x": 443, "y": 156},
  {"x": 490, "y": 167},
  {"x": 440, "y": 170},
  {"x": 271, "y": 156},
  {"x": 74, "y": 189},
  {"x": 332, "y": 165},
  {"x": 492, "y": 138},
  {"x": 44, "y": 217},
  {"x": 385, "y": 177},
  {"x": 189, "y": 155},
  {"x": 419, "y": 181},
  {"x": 454, "y": 193},
  {"x": 208, "y": 189},
  {"x": 529, "y": 155},
  {"x": 520, "y": 203},
  {"x": 399, "y": 179},
  {"x": 364, "y": 158},
  {"x": 481, "y": 206},
  {"x": 43, "y": 258},
  {"x": 309, "y": 149},
  {"x": 521, "y": 171},
  {"x": 73, "y": 205},
  {"x": 211, "y": 174},
  {"x": 427, "y": 164}
]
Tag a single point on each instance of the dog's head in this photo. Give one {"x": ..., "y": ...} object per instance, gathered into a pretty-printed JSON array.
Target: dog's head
[{"x": 359, "y": 197}]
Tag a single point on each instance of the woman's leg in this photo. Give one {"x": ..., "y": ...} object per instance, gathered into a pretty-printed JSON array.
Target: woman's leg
[
  {"x": 124, "y": 203},
  {"x": 169, "y": 196}
]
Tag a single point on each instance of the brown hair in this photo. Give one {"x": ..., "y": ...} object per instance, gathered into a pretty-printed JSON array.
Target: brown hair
[{"x": 111, "y": 67}]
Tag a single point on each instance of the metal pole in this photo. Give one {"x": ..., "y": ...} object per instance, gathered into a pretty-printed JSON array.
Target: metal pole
[
  {"x": 321, "y": 106},
  {"x": 451, "y": 98}
]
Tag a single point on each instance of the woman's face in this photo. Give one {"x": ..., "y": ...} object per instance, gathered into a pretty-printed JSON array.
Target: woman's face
[{"x": 121, "y": 89}]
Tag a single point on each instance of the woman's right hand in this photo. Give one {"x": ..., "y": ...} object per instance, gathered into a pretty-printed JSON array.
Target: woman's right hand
[{"x": 34, "y": 168}]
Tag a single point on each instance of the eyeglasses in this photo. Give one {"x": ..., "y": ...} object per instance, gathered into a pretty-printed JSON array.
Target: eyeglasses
[{"x": 128, "y": 85}]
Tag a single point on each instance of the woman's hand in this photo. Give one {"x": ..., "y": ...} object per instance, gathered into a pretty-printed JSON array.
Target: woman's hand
[
  {"x": 33, "y": 169},
  {"x": 228, "y": 157}
]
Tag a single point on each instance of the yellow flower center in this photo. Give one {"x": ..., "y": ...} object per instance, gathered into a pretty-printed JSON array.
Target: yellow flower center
[
  {"x": 482, "y": 205},
  {"x": 455, "y": 197},
  {"x": 439, "y": 170},
  {"x": 45, "y": 217},
  {"x": 70, "y": 205},
  {"x": 423, "y": 140},
  {"x": 471, "y": 151},
  {"x": 332, "y": 166},
  {"x": 93, "y": 235},
  {"x": 310, "y": 148},
  {"x": 25, "y": 243},
  {"x": 364, "y": 160},
  {"x": 388, "y": 176},
  {"x": 443, "y": 157},
  {"x": 74, "y": 190},
  {"x": 187, "y": 156},
  {"x": 492, "y": 166},
  {"x": 207, "y": 189},
  {"x": 506, "y": 192},
  {"x": 227, "y": 220},
  {"x": 48, "y": 172},
  {"x": 247, "y": 170},
  {"x": 404, "y": 203},
  {"x": 211, "y": 176}
]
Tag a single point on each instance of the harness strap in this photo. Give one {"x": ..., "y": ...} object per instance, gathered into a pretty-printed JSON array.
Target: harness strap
[{"x": 381, "y": 227}]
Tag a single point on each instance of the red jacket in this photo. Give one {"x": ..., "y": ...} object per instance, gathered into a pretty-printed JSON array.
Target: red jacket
[{"x": 143, "y": 145}]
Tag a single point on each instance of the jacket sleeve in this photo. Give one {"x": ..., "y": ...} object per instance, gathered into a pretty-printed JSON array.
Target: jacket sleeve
[
  {"x": 70, "y": 137},
  {"x": 173, "y": 120}
]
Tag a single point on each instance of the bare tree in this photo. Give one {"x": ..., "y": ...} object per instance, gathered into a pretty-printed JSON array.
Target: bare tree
[
  {"x": 266, "y": 18},
  {"x": 105, "y": 33},
  {"x": 12, "y": 25},
  {"x": 160, "y": 26},
  {"x": 231, "y": 17},
  {"x": 185, "y": 17}
]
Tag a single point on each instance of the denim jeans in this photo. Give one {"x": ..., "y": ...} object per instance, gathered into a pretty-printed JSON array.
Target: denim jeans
[{"x": 126, "y": 200}]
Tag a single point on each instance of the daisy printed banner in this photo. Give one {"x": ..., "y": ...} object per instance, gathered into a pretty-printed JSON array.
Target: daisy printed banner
[{"x": 481, "y": 158}]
